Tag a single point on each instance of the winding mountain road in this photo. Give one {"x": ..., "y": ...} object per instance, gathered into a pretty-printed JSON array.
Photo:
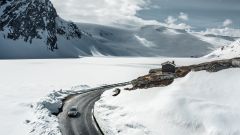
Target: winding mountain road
[{"x": 84, "y": 123}]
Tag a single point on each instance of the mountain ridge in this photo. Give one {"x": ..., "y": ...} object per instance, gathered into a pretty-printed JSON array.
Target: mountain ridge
[{"x": 33, "y": 29}]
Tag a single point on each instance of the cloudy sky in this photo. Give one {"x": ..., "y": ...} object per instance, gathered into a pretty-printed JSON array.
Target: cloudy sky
[{"x": 198, "y": 14}]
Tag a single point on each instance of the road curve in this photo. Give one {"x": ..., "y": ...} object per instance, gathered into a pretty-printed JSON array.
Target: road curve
[{"x": 84, "y": 124}]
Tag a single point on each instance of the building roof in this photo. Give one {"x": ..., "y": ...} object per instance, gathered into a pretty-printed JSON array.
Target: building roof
[{"x": 168, "y": 62}]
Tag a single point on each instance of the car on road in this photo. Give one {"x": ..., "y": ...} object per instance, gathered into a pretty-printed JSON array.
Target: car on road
[{"x": 73, "y": 112}]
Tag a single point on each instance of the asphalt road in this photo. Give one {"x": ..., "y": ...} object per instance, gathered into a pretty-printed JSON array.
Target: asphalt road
[{"x": 84, "y": 124}]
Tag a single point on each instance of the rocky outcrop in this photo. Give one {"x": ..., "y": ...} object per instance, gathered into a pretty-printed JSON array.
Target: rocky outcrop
[
  {"x": 152, "y": 80},
  {"x": 35, "y": 19},
  {"x": 156, "y": 78},
  {"x": 117, "y": 91},
  {"x": 2, "y": 2},
  {"x": 214, "y": 66}
]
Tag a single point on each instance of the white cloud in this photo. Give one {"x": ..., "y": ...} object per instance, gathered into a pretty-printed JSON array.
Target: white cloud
[
  {"x": 107, "y": 12},
  {"x": 227, "y": 22},
  {"x": 183, "y": 16},
  {"x": 171, "y": 22}
]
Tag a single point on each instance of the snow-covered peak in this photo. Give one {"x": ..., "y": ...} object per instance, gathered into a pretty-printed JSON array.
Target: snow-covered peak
[
  {"x": 230, "y": 51},
  {"x": 34, "y": 19},
  {"x": 29, "y": 27}
]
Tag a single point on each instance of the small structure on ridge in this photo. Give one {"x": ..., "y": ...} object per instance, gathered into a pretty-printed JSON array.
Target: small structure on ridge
[{"x": 168, "y": 67}]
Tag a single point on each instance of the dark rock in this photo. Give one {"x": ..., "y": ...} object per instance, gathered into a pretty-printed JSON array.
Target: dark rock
[
  {"x": 152, "y": 80},
  {"x": 2, "y": 2},
  {"x": 116, "y": 92},
  {"x": 35, "y": 19},
  {"x": 27, "y": 121},
  {"x": 182, "y": 71},
  {"x": 155, "y": 70}
]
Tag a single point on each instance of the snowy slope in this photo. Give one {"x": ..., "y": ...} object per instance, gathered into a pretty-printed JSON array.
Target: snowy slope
[
  {"x": 200, "y": 104},
  {"x": 174, "y": 42},
  {"x": 229, "y": 51},
  {"x": 26, "y": 82},
  {"x": 152, "y": 40},
  {"x": 102, "y": 40}
]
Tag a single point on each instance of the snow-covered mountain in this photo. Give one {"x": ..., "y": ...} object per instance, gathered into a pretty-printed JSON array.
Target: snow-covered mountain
[
  {"x": 229, "y": 51},
  {"x": 151, "y": 40},
  {"x": 35, "y": 19},
  {"x": 33, "y": 29}
]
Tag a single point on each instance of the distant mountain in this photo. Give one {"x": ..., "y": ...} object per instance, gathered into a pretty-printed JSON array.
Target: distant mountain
[
  {"x": 150, "y": 40},
  {"x": 33, "y": 29}
]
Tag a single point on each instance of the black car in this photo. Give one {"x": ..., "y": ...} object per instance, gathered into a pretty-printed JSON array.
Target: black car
[{"x": 73, "y": 112}]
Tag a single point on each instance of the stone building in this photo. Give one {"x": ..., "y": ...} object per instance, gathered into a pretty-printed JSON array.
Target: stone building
[{"x": 168, "y": 67}]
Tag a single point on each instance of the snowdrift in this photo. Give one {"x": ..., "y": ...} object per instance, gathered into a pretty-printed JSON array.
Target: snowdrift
[
  {"x": 225, "y": 52},
  {"x": 202, "y": 103}
]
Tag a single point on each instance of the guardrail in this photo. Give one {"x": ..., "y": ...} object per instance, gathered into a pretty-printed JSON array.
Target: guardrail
[{"x": 104, "y": 87}]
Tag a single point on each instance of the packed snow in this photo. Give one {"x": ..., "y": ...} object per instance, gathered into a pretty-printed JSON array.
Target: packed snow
[
  {"x": 27, "y": 85},
  {"x": 32, "y": 89},
  {"x": 202, "y": 103}
]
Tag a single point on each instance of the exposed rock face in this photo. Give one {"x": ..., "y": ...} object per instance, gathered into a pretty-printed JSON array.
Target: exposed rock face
[
  {"x": 156, "y": 78},
  {"x": 152, "y": 80},
  {"x": 35, "y": 19},
  {"x": 215, "y": 66},
  {"x": 2, "y": 2}
]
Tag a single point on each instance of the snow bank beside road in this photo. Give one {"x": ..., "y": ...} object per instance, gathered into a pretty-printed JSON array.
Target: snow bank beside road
[
  {"x": 200, "y": 104},
  {"x": 45, "y": 122}
]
